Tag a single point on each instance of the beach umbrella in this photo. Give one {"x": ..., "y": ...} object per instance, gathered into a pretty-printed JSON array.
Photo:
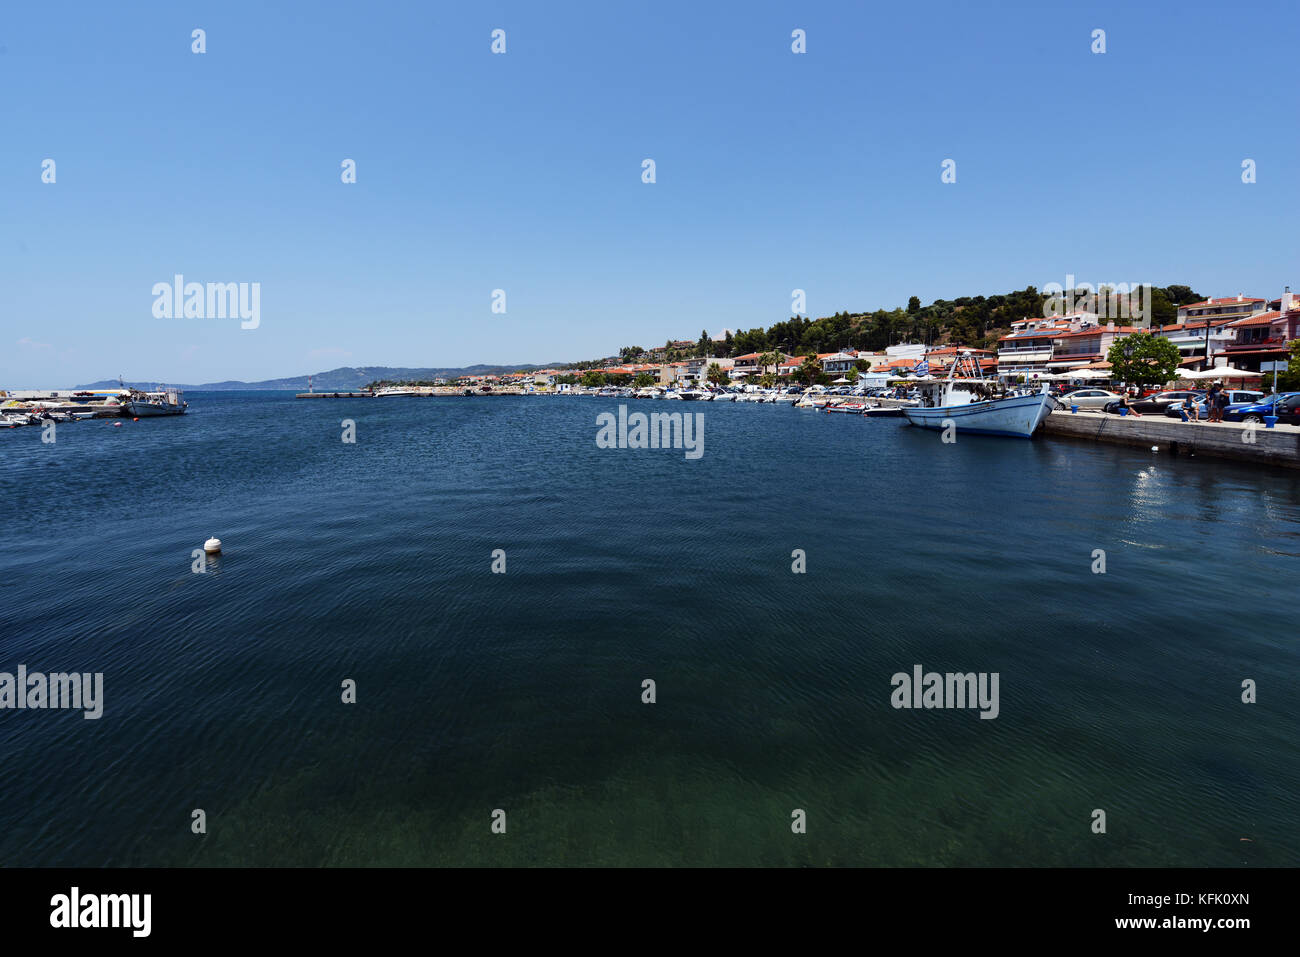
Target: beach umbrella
[{"x": 1220, "y": 372}]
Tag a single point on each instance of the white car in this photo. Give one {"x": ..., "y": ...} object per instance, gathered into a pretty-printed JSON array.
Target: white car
[{"x": 1088, "y": 398}]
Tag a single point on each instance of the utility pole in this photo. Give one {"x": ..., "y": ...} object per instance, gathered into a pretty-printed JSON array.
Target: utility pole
[{"x": 1207, "y": 341}]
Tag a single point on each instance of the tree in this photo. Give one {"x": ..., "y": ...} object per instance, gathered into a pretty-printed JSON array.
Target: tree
[
  {"x": 767, "y": 380},
  {"x": 705, "y": 344},
  {"x": 809, "y": 371},
  {"x": 1182, "y": 295},
  {"x": 717, "y": 375},
  {"x": 773, "y": 359},
  {"x": 852, "y": 376},
  {"x": 913, "y": 305},
  {"x": 643, "y": 380},
  {"x": 1163, "y": 310},
  {"x": 1289, "y": 381},
  {"x": 1143, "y": 359},
  {"x": 593, "y": 379}
]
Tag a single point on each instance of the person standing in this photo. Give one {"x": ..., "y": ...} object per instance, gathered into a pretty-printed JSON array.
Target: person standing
[{"x": 1212, "y": 401}]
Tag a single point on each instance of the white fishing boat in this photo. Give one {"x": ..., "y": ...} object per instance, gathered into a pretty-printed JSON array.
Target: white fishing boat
[
  {"x": 691, "y": 395},
  {"x": 974, "y": 404},
  {"x": 162, "y": 402}
]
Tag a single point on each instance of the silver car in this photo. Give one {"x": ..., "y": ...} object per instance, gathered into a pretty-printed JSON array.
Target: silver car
[{"x": 1088, "y": 398}]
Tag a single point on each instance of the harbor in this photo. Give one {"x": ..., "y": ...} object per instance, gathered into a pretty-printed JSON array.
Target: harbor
[
  {"x": 411, "y": 512},
  {"x": 39, "y": 406},
  {"x": 1275, "y": 445}
]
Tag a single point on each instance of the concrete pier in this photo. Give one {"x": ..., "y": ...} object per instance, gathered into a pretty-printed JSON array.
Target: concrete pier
[
  {"x": 334, "y": 395},
  {"x": 432, "y": 392},
  {"x": 1279, "y": 445}
]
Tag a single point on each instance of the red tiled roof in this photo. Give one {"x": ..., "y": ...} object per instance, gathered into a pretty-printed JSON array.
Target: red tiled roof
[{"x": 1263, "y": 319}]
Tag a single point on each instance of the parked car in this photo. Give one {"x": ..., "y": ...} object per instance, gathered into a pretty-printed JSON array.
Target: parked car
[
  {"x": 1287, "y": 409},
  {"x": 1235, "y": 397},
  {"x": 1154, "y": 403},
  {"x": 1089, "y": 398}
]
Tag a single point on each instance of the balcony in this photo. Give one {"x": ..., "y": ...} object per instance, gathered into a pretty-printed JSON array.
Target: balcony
[{"x": 1272, "y": 342}]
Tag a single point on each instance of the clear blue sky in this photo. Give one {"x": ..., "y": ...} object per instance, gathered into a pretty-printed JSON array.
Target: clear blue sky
[{"x": 523, "y": 171}]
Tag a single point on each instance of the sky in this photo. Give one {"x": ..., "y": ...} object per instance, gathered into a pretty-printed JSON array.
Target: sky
[{"x": 523, "y": 171}]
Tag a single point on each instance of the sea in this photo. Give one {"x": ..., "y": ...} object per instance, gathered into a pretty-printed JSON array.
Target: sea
[{"x": 472, "y": 636}]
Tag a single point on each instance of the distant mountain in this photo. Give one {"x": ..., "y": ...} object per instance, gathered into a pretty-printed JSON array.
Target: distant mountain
[{"x": 345, "y": 379}]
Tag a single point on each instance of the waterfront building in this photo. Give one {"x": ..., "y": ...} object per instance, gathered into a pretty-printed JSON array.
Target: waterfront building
[
  {"x": 749, "y": 363},
  {"x": 837, "y": 364},
  {"x": 1234, "y": 307},
  {"x": 1076, "y": 348},
  {"x": 1264, "y": 337},
  {"x": 1198, "y": 338},
  {"x": 1027, "y": 352},
  {"x": 1206, "y": 330}
]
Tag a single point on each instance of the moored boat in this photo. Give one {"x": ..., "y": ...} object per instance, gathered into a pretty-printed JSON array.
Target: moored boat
[
  {"x": 978, "y": 405},
  {"x": 162, "y": 402}
]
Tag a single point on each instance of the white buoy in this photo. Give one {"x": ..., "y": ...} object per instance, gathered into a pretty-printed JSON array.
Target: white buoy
[
  {"x": 1155, "y": 448},
  {"x": 212, "y": 545}
]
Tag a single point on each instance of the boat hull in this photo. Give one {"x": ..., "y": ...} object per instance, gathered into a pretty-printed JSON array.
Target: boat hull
[
  {"x": 143, "y": 409},
  {"x": 1018, "y": 416}
]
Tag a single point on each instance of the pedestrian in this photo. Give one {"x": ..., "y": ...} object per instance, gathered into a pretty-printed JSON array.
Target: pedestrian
[
  {"x": 1212, "y": 401},
  {"x": 1192, "y": 408},
  {"x": 1124, "y": 404},
  {"x": 1223, "y": 402}
]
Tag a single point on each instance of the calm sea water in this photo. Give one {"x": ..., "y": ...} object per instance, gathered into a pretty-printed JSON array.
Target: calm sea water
[{"x": 478, "y": 691}]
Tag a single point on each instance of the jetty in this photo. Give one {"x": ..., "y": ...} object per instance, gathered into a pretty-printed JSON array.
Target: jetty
[
  {"x": 335, "y": 395},
  {"x": 1279, "y": 445},
  {"x": 415, "y": 392}
]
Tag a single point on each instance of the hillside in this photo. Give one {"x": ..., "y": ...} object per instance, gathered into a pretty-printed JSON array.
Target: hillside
[{"x": 344, "y": 379}]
